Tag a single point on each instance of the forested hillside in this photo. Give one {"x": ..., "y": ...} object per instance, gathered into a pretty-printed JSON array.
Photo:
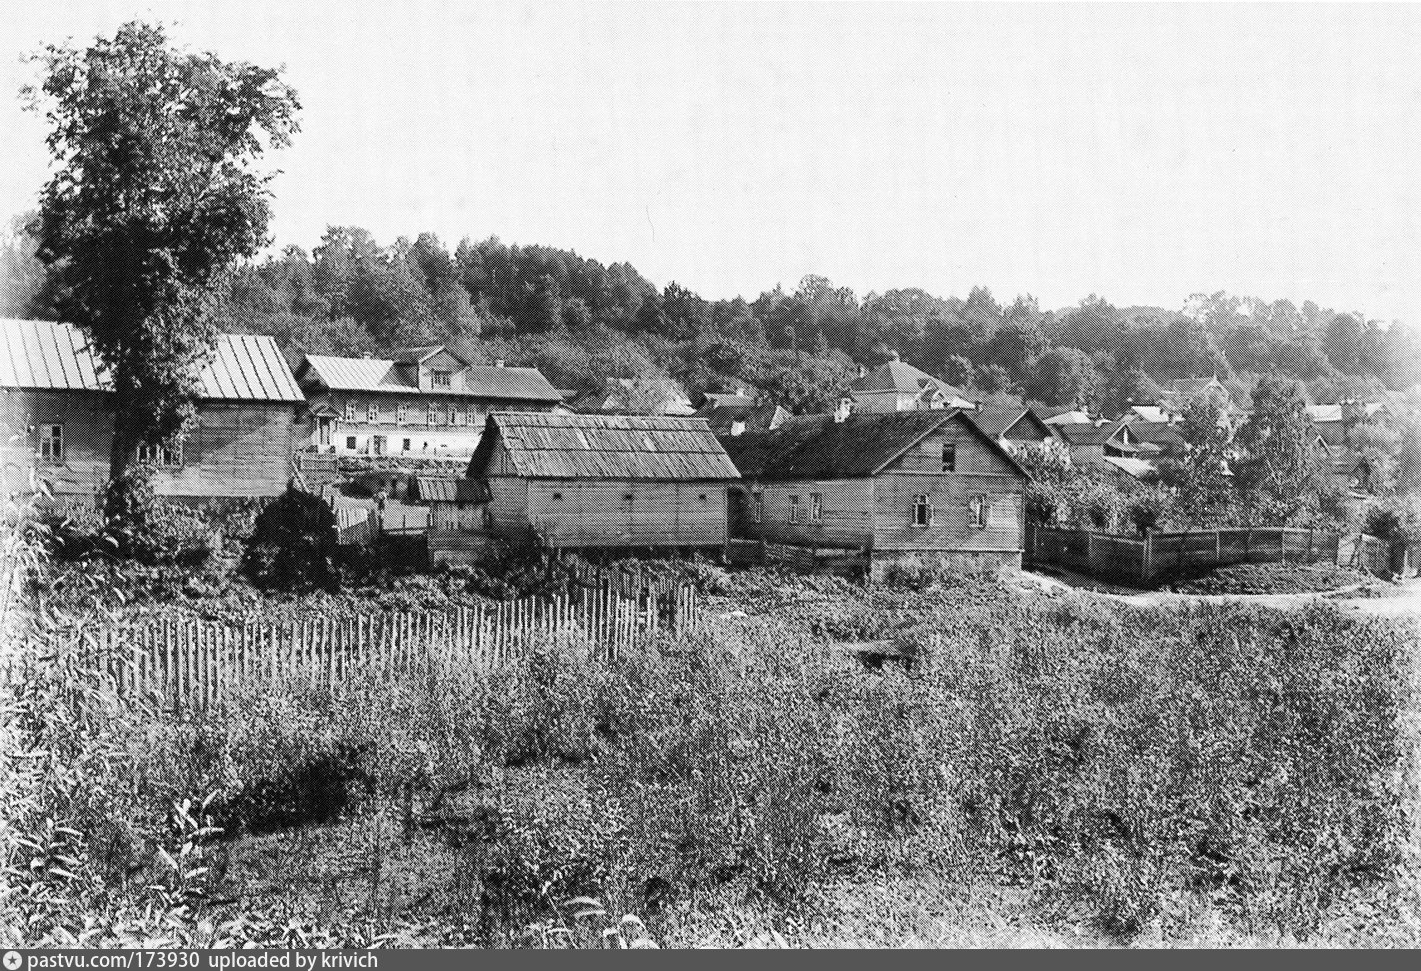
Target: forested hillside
[{"x": 581, "y": 322}]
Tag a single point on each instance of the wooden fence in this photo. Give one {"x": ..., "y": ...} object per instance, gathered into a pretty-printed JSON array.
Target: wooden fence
[
  {"x": 194, "y": 664},
  {"x": 832, "y": 559},
  {"x": 1140, "y": 559}
]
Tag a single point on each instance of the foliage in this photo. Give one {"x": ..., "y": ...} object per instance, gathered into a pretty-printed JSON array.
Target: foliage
[
  {"x": 1262, "y": 578},
  {"x": 292, "y": 546},
  {"x": 1279, "y": 476},
  {"x": 154, "y": 197},
  {"x": 1200, "y": 476},
  {"x": 1394, "y": 518}
]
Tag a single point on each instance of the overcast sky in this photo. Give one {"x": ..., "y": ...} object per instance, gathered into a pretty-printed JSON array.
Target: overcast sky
[{"x": 1142, "y": 153}]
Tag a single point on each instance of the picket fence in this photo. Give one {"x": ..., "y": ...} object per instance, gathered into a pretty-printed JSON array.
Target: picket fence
[{"x": 186, "y": 664}]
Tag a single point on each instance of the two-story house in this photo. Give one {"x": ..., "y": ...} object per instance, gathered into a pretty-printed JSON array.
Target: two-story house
[{"x": 422, "y": 402}]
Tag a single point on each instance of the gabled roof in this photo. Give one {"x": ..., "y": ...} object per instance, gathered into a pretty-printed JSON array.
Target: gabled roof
[
  {"x": 729, "y": 399},
  {"x": 1065, "y": 416},
  {"x": 42, "y": 354},
  {"x": 1189, "y": 387},
  {"x": 1085, "y": 433},
  {"x": 1135, "y": 468},
  {"x": 544, "y": 445},
  {"x": 901, "y": 377},
  {"x": 383, "y": 374},
  {"x": 418, "y": 355},
  {"x": 759, "y": 418},
  {"x": 1157, "y": 433},
  {"x": 996, "y": 421},
  {"x": 1150, "y": 412},
  {"x": 860, "y": 445}
]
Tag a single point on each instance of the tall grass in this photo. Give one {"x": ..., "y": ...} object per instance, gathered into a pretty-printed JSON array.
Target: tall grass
[{"x": 1138, "y": 765}]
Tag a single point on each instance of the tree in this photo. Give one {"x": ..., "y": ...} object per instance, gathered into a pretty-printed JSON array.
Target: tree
[
  {"x": 155, "y": 198},
  {"x": 1062, "y": 376},
  {"x": 1200, "y": 476},
  {"x": 1278, "y": 474}
]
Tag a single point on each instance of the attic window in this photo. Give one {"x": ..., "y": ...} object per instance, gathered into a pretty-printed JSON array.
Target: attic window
[
  {"x": 440, "y": 379},
  {"x": 557, "y": 497},
  {"x": 949, "y": 458}
]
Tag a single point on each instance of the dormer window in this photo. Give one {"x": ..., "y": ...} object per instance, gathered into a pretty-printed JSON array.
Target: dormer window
[
  {"x": 372, "y": 413},
  {"x": 350, "y": 411},
  {"x": 439, "y": 379}
]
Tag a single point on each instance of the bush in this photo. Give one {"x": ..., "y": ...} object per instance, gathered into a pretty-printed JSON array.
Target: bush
[
  {"x": 293, "y": 544},
  {"x": 1395, "y": 518}
]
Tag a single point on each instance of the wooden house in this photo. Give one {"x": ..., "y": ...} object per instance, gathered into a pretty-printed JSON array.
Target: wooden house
[
  {"x": 604, "y": 481},
  {"x": 422, "y": 402},
  {"x": 895, "y": 385},
  {"x": 1011, "y": 426},
  {"x": 927, "y": 483},
  {"x": 58, "y": 422}
]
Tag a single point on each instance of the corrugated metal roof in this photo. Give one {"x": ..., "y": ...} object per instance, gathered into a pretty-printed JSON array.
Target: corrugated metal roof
[
  {"x": 544, "y": 445},
  {"x": 481, "y": 381},
  {"x": 47, "y": 355}
]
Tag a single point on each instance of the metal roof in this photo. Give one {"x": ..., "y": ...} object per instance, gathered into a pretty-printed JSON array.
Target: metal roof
[
  {"x": 544, "y": 445},
  {"x": 379, "y": 374},
  {"x": 42, "y": 354}
]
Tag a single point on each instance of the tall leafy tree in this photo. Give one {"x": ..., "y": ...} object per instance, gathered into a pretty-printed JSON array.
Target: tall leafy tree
[
  {"x": 1200, "y": 476},
  {"x": 1278, "y": 473},
  {"x": 155, "y": 196}
]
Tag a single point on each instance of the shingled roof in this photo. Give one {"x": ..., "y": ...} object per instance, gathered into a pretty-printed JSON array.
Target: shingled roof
[
  {"x": 860, "y": 445},
  {"x": 542, "y": 445},
  {"x": 45, "y": 355}
]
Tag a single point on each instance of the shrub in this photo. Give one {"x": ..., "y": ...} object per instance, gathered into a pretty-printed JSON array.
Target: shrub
[{"x": 292, "y": 544}]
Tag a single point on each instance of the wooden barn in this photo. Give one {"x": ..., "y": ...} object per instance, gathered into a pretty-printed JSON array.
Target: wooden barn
[
  {"x": 58, "y": 424},
  {"x": 604, "y": 481},
  {"x": 926, "y": 483}
]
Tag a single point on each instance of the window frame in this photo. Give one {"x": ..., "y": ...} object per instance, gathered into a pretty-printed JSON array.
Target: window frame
[
  {"x": 372, "y": 413},
  {"x": 816, "y": 508},
  {"x": 454, "y": 416},
  {"x": 402, "y": 413},
  {"x": 50, "y": 446},
  {"x": 441, "y": 379},
  {"x": 794, "y": 507},
  {"x": 757, "y": 507},
  {"x": 949, "y": 456},
  {"x": 431, "y": 415},
  {"x": 351, "y": 407},
  {"x": 168, "y": 455},
  {"x": 978, "y": 508},
  {"x": 923, "y": 514}
]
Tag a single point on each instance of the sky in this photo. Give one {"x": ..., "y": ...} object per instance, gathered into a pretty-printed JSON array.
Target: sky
[{"x": 1142, "y": 153}]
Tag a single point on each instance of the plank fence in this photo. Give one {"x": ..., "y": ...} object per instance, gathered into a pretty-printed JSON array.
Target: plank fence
[
  {"x": 1141, "y": 559},
  {"x": 190, "y": 664}
]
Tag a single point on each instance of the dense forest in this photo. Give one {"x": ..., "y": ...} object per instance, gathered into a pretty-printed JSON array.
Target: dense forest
[{"x": 583, "y": 322}]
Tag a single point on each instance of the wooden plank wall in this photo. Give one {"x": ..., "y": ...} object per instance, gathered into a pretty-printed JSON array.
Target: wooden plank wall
[
  {"x": 949, "y": 495},
  {"x": 579, "y": 513},
  {"x": 847, "y": 513},
  {"x": 199, "y": 664},
  {"x": 1133, "y": 558}
]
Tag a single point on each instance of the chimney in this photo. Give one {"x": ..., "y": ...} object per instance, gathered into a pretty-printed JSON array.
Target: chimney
[
  {"x": 844, "y": 409},
  {"x": 498, "y": 363}
]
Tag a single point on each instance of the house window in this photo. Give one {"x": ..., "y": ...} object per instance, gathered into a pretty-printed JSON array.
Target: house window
[
  {"x": 977, "y": 512},
  {"x": 402, "y": 413},
  {"x": 471, "y": 418},
  {"x": 557, "y": 497},
  {"x": 372, "y": 412},
  {"x": 794, "y": 509},
  {"x": 757, "y": 507},
  {"x": 440, "y": 379},
  {"x": 922, "y": 511},
  {"x": 51, "y": 442},
  {"x": 350, "y": 411},
  {"x": 949, "y": 458},
  {"x": 431, "y": 416},
  {"x": 453, "y": 415},
  {"x": 165, "y": 455},
  {"x": 816, "y": 507},
  {"x": 405, "y": 445},
  {"x": 350, "y": 442}
]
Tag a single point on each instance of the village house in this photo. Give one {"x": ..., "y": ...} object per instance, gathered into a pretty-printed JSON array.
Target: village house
[
  {"x": 636, "y": 396},
  {"x": 58, "y": 421},
  {"x": 896, "y": 385},
  {"x": 1011, "y": 426},
  {"x": 739, "y": 419},
  {"x": 1182, "y": 391},
  {"x": 421, "y": 402},
  {"x": 913, "y": 483},
  {"x": 604, "y": 481}
]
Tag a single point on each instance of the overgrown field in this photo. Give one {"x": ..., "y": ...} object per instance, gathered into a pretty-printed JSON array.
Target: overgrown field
[{"x": 1093, "y": 773}]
